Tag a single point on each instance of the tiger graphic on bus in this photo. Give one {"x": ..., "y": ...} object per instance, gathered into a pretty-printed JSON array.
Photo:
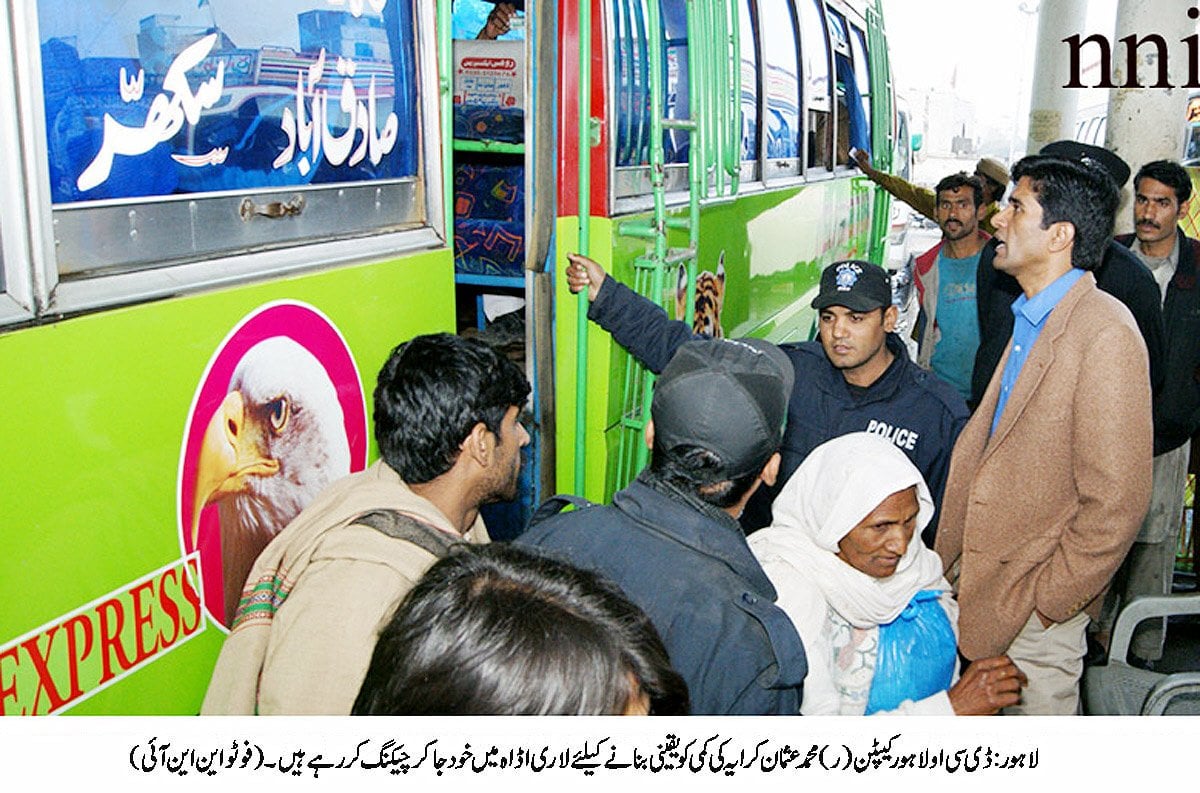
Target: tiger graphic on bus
[{"x": 710, "y": 297}]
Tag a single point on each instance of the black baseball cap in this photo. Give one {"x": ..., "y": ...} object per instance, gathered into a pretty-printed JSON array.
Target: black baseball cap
[
  {"x": 728, "y": 396},
  {"x": 855, "y": 284},
  {"x": 1093, "y": 156}
]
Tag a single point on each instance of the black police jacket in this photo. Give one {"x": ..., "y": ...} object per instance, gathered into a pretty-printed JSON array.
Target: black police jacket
[{"x": 688, "y": 566}]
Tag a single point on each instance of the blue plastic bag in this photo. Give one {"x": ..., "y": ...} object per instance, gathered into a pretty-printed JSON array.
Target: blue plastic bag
[{"x": 916, "y": 656}]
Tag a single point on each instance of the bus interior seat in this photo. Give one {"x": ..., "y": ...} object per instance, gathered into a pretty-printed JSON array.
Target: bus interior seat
[
  {"x": 489, "y": 219},
  {"x": 1117, "y": 688}
]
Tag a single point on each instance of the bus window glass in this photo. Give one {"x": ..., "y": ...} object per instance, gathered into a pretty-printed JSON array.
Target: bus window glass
[
  {"x": 815, "y": 52},
  {"x": 782, "y": 126},
  {"x": 837, "y": 32},
  {"x": 843, "y": 83},
  {"x": 749, "y": 77},
  {"x": 675, "y": 51},
  {"x": 903, "y": 166},
  {"x": 1191, "y": 152},
  {"x": 1191, "y": 146},
  {"x": 155, "y": 110},
  {"x": 470, "y": 17},
  {"x": 852, "y": 126},
  {"x": 631, "y": 98},
  {"x": 862, "y": 70}
]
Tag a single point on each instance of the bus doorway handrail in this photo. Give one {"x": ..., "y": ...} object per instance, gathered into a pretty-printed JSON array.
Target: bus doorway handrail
[{"x": 584, "y": 242}]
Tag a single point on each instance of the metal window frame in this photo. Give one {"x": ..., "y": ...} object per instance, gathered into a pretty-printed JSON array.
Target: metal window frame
[
  {"x": 752, "y": 170},
  {"x": 820, "y": 172},
  {"x": 28, "y": 225},
  {"x": 17, "y": 297},
  {"x": 781, "y": 171}
]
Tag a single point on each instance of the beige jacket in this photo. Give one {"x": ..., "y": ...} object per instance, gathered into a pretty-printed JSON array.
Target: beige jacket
[
  {"x": 1040, "y": 514},
  {"x": 316, "y": 599}
]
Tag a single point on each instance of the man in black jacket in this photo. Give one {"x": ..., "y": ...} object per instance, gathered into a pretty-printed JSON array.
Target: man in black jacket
[
  {"x": 1162, "y": 190},
  {"x": 858, "y": 377},
  {"x": 671, "y": 539},
  {"x": 1120, "y": 274}
]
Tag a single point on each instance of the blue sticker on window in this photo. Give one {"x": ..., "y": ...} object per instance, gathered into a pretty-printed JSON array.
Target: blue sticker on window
[{"x": 166, "y": 97}]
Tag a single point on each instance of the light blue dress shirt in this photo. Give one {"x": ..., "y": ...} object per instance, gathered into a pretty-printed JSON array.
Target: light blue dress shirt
[{"x": 1029, "y": 317}]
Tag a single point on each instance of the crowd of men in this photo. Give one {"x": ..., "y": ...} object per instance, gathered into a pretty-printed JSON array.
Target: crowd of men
[{"x": 385, "y": 596}]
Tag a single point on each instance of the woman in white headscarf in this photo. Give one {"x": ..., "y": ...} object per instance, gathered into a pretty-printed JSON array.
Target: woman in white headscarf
[{"x": 875, "y": 613}]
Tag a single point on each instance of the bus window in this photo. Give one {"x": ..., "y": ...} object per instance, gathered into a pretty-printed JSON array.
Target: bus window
[
  {"x": 903, "y": 166},
  {"x": 1191, "y": 152},
  {"x": 180, "y": 132},
  {"x": 851, "y": 121},
  {"x": 782, "y": 117},
  {"x": 748, "y": 40},
  {"x": 630, "y": 97},
  {"x": 15, "y": 302},
  {"x": 631, "y": 66},
  {"x": 1191, "y": 146},
  {"x": 470, "y": 17},
  {"x": 631, "y": 94},
  {"x": 862, "y": 70},
  {"x": 815, "y": 71}
]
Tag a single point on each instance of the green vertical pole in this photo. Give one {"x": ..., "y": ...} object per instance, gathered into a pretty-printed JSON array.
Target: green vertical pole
[
  {"x": 657, "y": 182},
  {"x": 585, "y": 162},
  {"x": 882, "y": 134},
  {"x": 733, "y": 154}
]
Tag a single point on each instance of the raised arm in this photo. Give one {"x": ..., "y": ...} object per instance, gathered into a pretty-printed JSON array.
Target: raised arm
[
  {"x": 636, "y": 323},
  {"x": 922, "y": 199},
  {"x": 498, "y": 22}
]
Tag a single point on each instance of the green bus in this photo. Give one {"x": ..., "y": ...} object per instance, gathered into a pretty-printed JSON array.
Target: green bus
[{"x": 218, "y": 218}]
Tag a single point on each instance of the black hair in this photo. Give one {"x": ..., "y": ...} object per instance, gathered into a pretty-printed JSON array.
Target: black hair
[
  {"x": 695, "y": 469},
  {"x": 1083, "y": 195},
  {"x": 498, "y": 630},
  {"x": 1169, "y": 173},
  {"x": 961, "y": 179},
  {"x": 431, "y": 393}
]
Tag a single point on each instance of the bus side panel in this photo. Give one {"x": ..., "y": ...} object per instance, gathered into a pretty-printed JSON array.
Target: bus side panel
[
  {"x": 600, "y": 354},
  {"x": 774, "y": 246},
  {"x": 100, "y": 595}
]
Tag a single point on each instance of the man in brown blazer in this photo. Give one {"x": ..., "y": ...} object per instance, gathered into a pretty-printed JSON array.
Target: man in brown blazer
[{"x": 1050, "y": 478}]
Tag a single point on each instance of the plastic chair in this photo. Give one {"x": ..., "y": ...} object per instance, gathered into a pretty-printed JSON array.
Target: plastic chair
[
  {"x": 1116, "y": 688},
  {"x": 1176, "y": 694}
]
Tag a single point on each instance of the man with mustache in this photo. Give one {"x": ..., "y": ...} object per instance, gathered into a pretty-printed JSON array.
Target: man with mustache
[
  {"x": 947, "y": 327},
  {"x": 990, "y": 172},
  {"x": 1162, "y": 191}
]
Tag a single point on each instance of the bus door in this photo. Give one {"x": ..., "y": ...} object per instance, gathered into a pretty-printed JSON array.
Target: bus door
[{"x": 502, "y": 212}]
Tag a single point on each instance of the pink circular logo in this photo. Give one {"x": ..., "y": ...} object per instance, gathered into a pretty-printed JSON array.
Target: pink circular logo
[{"x": 279, "y": 414}]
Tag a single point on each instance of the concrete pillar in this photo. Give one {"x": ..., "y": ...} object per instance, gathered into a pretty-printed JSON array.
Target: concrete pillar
[
  {"x": 1147, "y": 123},
  {"x": 1051, "y": 107}
]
